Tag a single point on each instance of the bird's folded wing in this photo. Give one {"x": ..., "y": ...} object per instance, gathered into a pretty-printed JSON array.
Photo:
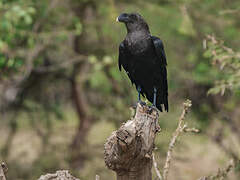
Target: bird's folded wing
[
  {"x": 163, "y": 84},
  {"x": 158, "y": 44},
  {"x": 124, "y": 62}
]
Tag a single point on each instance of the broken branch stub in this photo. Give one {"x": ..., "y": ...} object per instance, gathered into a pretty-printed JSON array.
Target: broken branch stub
[
  {"x": 3, "y": 170},
  {"x": 128, "y": 151}
]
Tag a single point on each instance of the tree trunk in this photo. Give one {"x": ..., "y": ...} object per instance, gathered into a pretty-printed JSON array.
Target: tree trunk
[
  {"x": 128, "y": 151},
  {"x": 85, "y": 119}
]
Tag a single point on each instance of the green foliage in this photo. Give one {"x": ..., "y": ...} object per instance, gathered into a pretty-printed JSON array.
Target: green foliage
[
  {"x": 16, "y": 18},
  {"x": 27, "y": 26},
  {"x": 228, "y": 62}
]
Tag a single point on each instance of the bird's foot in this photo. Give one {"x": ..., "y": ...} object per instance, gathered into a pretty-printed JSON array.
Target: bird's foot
[
  {"x": 138, "y": 102},
  {"x": 141, "y": 102},
  {"x": 152, "y": 108}
]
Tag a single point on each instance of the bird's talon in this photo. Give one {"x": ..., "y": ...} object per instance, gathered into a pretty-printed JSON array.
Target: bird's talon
[
  {"x": 142, "y": 103},
  {"x": 151, "y": 108},
  {"x": 149, "y": 111}
]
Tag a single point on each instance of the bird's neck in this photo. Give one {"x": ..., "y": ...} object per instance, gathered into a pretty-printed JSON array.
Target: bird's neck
[
  {"x": 137, "y": 36},
  {"x": 138, "y": 42},
  {"x": 138, "y": 31}
]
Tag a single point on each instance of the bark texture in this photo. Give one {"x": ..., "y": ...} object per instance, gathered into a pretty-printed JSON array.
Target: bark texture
[
  {"x": 128, "y": 151},
  {"x": 3, "y": 170},
  {"x": 59, "y": 175}
]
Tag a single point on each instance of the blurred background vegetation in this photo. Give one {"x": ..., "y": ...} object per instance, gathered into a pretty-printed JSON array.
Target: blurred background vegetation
[{"x": 61, "y": 94}]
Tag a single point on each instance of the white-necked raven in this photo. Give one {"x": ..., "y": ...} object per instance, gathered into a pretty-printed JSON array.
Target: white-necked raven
[{"x": 143, "y": 58}]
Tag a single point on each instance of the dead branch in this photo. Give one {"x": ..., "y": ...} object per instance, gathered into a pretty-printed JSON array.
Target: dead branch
[
  {"x": 128, "y": 151},
  {"x": 182, "y": 126},
  {"x": 97, "y": 177},
  {"x": 221, "y": 173},
  {"x": 3, "y": 170},
  {"x": 156, "y": 168},
  {"x": 59, "y": 175},
  {"x": 192, "y": 130}
]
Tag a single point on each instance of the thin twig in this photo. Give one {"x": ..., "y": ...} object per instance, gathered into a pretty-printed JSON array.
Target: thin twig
[
  {"x": 221, "y": 173},
  {"x": 181, "y": 126},
  {"x": 193, "y": 130},
  {"x": 156, "y": 168},
  {"x": 97, "y": 177}
]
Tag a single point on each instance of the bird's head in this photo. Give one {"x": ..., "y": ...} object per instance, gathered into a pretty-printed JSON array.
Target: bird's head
[{"x": 133, "y": 22}]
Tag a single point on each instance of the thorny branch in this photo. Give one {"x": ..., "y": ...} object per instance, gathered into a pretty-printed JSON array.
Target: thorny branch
[{"x": 182, "y": 127}]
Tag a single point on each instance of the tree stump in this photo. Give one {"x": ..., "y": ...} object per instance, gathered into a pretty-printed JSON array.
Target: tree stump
[
  {"x": 59, "y": 175},
  {"x": 128, "y": 151}
]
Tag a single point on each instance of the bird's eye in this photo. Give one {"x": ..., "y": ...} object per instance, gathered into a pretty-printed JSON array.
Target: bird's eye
[{"x": 133, "y": 16}]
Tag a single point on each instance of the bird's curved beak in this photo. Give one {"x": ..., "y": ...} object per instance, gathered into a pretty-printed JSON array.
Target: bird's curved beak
[{"x": 122, "y": 18}]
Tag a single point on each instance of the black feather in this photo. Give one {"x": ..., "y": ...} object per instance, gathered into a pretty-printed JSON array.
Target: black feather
[{"x": 143, "y": 58}]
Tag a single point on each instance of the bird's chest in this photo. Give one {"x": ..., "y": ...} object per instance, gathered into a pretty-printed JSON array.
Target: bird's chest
[
  {"x": 137, "y": 44},
  {"x": 141, "y": 54},
  {"x": 142, "y": 62}
]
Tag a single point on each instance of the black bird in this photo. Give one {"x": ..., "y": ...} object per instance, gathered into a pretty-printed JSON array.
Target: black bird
[{"x": 143, "y": 58}]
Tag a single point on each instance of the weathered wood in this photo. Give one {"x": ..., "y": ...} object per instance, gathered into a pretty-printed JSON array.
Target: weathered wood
[
  {"x": 3, "y": 170},
  {"x": 128, "y": 151},
  {"x": 59, "y": 175}
]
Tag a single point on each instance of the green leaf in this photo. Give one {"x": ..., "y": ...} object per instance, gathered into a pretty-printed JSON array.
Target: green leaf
[{"x": 78, "y": 28}]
